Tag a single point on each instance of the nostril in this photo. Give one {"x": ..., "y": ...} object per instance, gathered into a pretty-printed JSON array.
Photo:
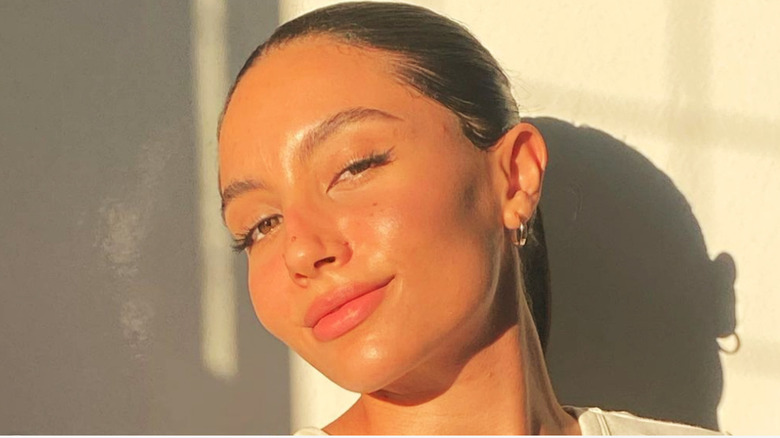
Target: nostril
[{"x": 324, "y": 261}]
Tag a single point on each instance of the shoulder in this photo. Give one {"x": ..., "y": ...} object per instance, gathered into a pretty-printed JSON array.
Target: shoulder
[{"x": 594, "y": 421}]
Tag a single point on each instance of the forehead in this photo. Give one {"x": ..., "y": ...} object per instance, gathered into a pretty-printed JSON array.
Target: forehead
[{"x": 307, "y": 79}]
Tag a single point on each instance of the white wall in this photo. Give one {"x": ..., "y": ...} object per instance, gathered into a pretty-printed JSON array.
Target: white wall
[{"x": 691, "y": 86}]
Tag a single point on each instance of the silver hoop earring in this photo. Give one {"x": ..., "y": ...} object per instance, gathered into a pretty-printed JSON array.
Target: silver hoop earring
[{"x": 520, "y": 235}]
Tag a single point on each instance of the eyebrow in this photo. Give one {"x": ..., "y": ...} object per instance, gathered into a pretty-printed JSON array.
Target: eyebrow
[
  {"x": 236, "y": 189},
  {"x": 320, "y": 133},
  {"x": 313, "y": 138}
]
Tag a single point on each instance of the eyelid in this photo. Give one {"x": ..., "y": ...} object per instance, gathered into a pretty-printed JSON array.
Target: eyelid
[
  {"x": 245, "y": 240},
  {"x": 373, "y": 159}
]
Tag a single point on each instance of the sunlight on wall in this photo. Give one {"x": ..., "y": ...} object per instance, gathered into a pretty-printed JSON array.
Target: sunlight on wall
[
  {"x": 692, "y": 87},
  {"x": 315, "y": 400},
  {"x": 218, "y": 294}
]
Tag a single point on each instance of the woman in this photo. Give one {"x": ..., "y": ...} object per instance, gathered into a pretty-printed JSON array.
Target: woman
[{"x": 375, "y": 170}]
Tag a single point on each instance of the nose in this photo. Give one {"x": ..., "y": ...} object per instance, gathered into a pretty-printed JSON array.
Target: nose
[{"x": 314, "y": 244}]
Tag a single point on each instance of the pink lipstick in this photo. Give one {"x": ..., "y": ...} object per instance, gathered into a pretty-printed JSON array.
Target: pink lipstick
[{"x": 333, "y": 314}]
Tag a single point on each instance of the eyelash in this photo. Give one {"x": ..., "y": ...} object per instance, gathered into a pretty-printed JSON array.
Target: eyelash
[
  {"x": 359, "y": 165},
  {"x": 246, "y": 240},
  {"x": 355, "y": 166}
]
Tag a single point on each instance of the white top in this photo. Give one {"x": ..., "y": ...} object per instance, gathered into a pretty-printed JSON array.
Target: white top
[{"x": 594, "y": 421}]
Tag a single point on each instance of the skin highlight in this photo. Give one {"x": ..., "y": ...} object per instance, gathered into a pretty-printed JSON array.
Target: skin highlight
[{"x": 451, "y": 348}]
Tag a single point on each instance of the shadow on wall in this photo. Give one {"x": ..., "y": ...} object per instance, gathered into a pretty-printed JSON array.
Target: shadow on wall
[
  {"x": 99, "y": 274},
  {"x": 637, "y": 303}
]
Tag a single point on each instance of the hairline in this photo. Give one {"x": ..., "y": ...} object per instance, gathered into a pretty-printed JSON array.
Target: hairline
[{"x": 403, "y": 67}]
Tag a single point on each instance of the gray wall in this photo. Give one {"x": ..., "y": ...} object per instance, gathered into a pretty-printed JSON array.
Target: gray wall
[{"x": 98, "y": 216}]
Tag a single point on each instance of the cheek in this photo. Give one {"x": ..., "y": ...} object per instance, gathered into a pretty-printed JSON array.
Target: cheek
[
  {"x": 451, "y": 229},
  {"x": 383, "y": 232},
  {"x": 446, "y": 227},
  {"x": 445, "y": 214},
  {"x": 269, "y": 294}
]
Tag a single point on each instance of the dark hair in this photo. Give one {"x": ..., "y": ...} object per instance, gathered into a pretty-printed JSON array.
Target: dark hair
[{"x": 442, "y": 60}]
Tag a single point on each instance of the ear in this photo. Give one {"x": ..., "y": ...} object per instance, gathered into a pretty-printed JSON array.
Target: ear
[{"x": 520, "y": 157}]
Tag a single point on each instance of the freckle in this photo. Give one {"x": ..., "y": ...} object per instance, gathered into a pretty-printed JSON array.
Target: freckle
[
  {"x": 292, "y": 239},
  {"x": 375, "y": 204}
]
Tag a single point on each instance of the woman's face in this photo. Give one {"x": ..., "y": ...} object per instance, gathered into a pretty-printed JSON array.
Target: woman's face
[{"x": 374, "y": 225}]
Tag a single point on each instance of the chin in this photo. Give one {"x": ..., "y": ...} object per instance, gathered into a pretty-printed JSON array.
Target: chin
[{"x": 364, "y": 368}]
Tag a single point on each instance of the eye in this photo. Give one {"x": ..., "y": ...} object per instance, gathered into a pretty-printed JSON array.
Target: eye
[
  {"x": 263, "y": 228},
  {"x": 360, "y": 165}
]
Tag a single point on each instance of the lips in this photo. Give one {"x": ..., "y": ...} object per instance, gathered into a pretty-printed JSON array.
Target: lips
[{"x": 344, "y": 308}]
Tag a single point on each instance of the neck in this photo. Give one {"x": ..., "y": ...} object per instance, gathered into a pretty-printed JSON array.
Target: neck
[{"x": 502, "y": 389}]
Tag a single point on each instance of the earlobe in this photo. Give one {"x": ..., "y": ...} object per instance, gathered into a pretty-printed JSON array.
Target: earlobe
[{"x": 522, "y": 155}]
